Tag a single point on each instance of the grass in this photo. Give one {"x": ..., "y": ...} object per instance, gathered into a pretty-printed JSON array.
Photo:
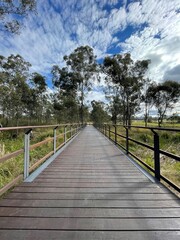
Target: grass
[
  {"x": 169, "y": 141},
  {"x": 12, "y": 141}
]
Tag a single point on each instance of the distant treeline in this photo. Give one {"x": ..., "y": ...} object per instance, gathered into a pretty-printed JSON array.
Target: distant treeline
[{"x": 25, "y": 98}]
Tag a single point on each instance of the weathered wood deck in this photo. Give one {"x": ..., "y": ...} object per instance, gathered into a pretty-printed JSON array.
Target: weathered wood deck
[{"x": 91, "y": 191}]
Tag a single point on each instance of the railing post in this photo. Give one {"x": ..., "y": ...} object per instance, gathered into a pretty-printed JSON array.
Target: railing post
[
  {"x": 109, "y": 132},
  {"x": 71, "y": 131},
  {"x": 65, "y": 135},
  {"x": 54, "y": 141},
  {"x": 156, "y": 156},
  {"x": 127, "y": 140},
  {"x": 26, "y": 153},
  {"x": 105, "y": 129},
  {"x": 115, "y": 130}
]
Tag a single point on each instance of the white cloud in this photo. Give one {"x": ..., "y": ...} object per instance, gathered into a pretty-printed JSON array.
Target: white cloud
[
  {"x": 61, "y": 26},
  {"x": 159, "y": 39}
]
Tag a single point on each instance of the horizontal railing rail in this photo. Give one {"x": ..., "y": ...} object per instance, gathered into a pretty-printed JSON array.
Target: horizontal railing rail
[
  {"x": 68, "y": 131},
  {"x": 106, "y": 129}
]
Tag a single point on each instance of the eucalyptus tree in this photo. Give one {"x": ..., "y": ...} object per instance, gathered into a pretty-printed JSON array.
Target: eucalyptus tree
[
  {"x": 76, "y": 77},
  {"x": 37, "y": 100},
  {"x": 147, "y": 99},
  {"x": 17, "y": 9},
  {"x": 65, "y": 100},
  {"x": 99, "y": 114},
  {"x": 164, "y": 96},
  {"x": 112, "y": 94},
  {"x": 65, "y": 107},
  {"x": 22, "y": 94},
  {"x": 129, "y": 76},
  {"x": 14, "y": 71}
]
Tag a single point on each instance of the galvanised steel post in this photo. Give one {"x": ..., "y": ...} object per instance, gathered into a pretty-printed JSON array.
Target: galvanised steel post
[
  {"x": 65, "y": 134},
  {"x": 26, "y": 153},
  {"x": 54, "y": 141},
  {"x": 115, "y": 129},
  {"x": 71, "y": 131},
  {"x": 156, "y": 156},
  {"x": 127, "y": 140}
]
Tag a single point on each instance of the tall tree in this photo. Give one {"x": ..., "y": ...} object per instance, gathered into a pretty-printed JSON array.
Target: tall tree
[
  {"x": 129, "y": 76},
  {"x": 113, "y": 95},
  {"x": 17, "y": 9},
  {"x": 147, "y": 99},
  {"x": 37, "y": 99},
  {"x": 65, "y": 107},
  {"x": 76, "y": 76},
  {"x": 22, "y": 94},
  {"x": 13, "y": 86},
  {"x": 98, "y": 113},
  {"x": 65, "y": 99},
  {"x": 82, "y": 63},
  {"x": 164, "y": 96}
]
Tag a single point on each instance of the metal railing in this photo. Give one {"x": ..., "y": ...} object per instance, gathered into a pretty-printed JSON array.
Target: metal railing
[
  {"x": 107, "y": 130},
  {"x": 68, "y": 131}
]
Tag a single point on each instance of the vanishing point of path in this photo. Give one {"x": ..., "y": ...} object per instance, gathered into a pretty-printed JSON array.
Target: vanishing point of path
[{"x": 90, "y": 191}]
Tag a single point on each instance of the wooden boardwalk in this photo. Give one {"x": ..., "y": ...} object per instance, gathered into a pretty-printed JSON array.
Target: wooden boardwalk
[{"x": 91, "y": 191}]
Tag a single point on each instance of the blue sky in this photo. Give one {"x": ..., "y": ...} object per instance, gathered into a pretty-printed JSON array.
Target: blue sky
[{"x": 148, "y": 29}]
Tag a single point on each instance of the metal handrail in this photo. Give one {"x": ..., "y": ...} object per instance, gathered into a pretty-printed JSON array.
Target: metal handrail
[
  {"x": 106, "y": 130},
  {"x": 66, "y": 136},
  {"x": 39, "y": 126}
]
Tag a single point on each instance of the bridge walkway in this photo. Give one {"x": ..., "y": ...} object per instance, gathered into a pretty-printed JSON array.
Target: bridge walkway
[{"x": 90, "y": 191}]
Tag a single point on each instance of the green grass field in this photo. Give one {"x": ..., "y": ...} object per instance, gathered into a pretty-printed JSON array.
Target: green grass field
[
  {"x": 169, "y": 141},
  {"x": 8, "y": 144}
]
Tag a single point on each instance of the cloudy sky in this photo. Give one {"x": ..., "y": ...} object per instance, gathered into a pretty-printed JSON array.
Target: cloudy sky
[{"x": 148, "y": 29}]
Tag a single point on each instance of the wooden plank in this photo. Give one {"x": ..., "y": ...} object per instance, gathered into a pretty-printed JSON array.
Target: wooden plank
[
  {"x": 88, "y": 235},
  {"x": 91, "y": 203},
  {"x": 91, "y": 191},
  {"x": 90, "y": 212},
  {"x": 88, "y": 190},
  {"x": 11, "y": 155},
  {"x": 91, "y": 180},
  {"x": 94, "y": 168},
  {"x": 90, "y": 224},
  {"x": 91, "y": 170},
  {"x": 125, "y": 178},
  {"x": 86, "y": 196},
  {"x": 91, "y": 185}
]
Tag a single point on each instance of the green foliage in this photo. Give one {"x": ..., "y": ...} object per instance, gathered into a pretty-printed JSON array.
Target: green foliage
[
  {"x": 164, "y": 96},
  {"x": 74, "y": 79},
  {"x": 14, "y": 166},
  {"x": 128, "y": 75},
  {"x": 98, "y": 113},
  {"x": 22, "y": 94},
  {"x": 15, "y": 8}
]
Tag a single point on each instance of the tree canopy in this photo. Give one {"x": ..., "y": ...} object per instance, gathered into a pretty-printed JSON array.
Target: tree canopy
[
  {"x": 25, "y": 97},
  {"x": 128, "y": 75},
  {"x": 17, "y": 9},
  {"x": 76, "y": 77},
  {"x": 164, "y": 96}
]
